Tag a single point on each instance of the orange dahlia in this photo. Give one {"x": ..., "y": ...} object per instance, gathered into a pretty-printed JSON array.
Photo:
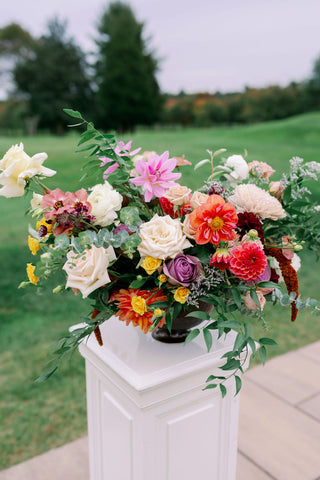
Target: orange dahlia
[
  {"x": 133, "y": 306},
  {"x": 214, "y": 221},
  {"x": 248, "y": 261},
  {"x": 221, "y": 258}
]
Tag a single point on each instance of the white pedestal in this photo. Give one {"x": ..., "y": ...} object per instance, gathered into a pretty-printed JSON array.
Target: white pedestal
[{"x": 148, "y": 417}]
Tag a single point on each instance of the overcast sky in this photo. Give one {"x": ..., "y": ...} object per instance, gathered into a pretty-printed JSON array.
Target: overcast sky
[{"x": 204, "y": 45}]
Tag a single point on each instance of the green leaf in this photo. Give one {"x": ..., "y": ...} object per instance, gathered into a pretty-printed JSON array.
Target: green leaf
[
  {"x": 207, "y": 338},
  {"x": 267, "y": 341},
  {"x": 211, "y": 385},
  {"x": 169, "y": 320},
  {"x": 240, "y": 339},
  {"x": 231, "y": 364},
  {"x": 44, "y": 376},
  {"x": 266, "y": 284},
  {"x": 130, "y": 216},
  {"x": 138, "y": 283},
  {"x": 192, "y": 335},
  {"x": 236, "y": 297},
  {"x": 200, "y": 315},
  {"x": 72, "y": 113},
  {"x": 255, "y": 298},
  {"x": 230, "y": 324},
  {"x": 87, "y": 135},
  {"x": 263, "y": 354},
  {"x": 223, "y": 390},
  {"x": 177, "y": 307},
  {"x": 238, "y": 384},
  {"x": 247, "y": 330},
  {"x": 252, "y": 345}
]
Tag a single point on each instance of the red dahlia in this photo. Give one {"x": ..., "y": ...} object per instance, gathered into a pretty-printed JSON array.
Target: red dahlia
[{"x": 248, "y": 261}]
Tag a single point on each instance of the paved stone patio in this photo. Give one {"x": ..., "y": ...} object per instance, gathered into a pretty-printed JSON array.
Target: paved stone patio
[{"x": 279, "y": 429}]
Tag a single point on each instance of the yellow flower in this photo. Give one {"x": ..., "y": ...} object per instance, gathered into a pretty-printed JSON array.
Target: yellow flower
[
  {"x": 151, "y": 264},
  {"x": 45, "y": 224},
  {"x": 139, "y": 305},
  {"x": 30, "y": 272},
  {"x": 33, "y": 244},
  {"x": 158, "y": 312},
  {"x": 162, "y": 278},
  {"x": 181, "y": 294}
]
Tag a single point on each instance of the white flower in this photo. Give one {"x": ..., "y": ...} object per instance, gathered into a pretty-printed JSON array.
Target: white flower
[
  {"x": 105, "y": 201},
  {"x": 239, "y": 167},
  {"x": 36, "y": 200},
  {"x": 250, "y": 198},
  {"x": 17, "y": 166},
  {"x": 162, "y": 237},
  {"x": 88, "y": 271},
  {"x": 178, "y": 195}
]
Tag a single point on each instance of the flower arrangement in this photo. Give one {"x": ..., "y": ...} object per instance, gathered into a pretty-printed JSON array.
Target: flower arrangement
[{"x": 145, "y": 249}]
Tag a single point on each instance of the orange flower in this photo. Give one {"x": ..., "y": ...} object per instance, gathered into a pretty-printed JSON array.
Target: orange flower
[
  {"x": 133, "y": 306},
  {"x": 214, "y": 221}
]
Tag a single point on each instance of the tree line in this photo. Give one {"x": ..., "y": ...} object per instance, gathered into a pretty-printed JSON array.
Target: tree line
[{"x": 118, "y": 88}]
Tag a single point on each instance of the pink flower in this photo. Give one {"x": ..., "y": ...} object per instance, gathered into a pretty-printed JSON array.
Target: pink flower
[
  {"x": 248, "y": 261},
  {"x": 68, "y": 210},
  {"x": 251, "y": 305},
  {"x": 155, "y": 175},
  {"x": 58, "y": 201},
  {"x": 122, "y": 150}
]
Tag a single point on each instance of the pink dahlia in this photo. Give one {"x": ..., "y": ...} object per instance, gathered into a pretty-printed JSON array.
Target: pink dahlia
[
  {"x": 122, "y": 150},
  {"x": 248, "y": 261},
  {"x": 155, "y": 175}
]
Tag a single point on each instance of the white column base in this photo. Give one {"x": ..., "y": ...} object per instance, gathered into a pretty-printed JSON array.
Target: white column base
[{"x": 148, "y": 417}]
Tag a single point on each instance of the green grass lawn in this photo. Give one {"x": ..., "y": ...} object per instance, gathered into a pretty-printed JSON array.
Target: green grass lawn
[{"x": 35, "y": 418}]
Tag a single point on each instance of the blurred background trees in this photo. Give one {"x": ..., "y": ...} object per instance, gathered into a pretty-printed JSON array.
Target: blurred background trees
[
  {"x": 128, "y": 93},
  {"x": 118, "y": 88}
]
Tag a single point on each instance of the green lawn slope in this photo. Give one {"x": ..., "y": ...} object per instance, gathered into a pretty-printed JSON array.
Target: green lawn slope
[{"x": 35, "y": 418}]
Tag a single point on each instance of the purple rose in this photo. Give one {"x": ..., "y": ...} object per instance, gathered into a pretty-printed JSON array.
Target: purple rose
[{"x": 182, "y": 270}]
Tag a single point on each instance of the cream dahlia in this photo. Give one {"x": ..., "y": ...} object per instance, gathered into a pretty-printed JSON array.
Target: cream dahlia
[{"x": 250, "y": 198}]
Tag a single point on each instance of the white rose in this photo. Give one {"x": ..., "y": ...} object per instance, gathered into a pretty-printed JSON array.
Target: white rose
[
  {"x": 16, "y": 166},
  {"x": 162, "y": 237},
  {"x": 88, "y": 271},
  {"x": 178, "y": 195},
  {"x": 197, "y": 199},
  {"x": 105, "y": 201},
  {"x": 239, "y": 167}
]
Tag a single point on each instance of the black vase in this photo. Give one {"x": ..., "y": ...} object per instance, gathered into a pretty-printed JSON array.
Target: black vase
[{"x": 181, "y": 325}]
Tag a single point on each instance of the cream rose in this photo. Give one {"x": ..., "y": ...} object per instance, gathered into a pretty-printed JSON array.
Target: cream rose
[
  {"x": 17, "y": 166},
  {"x": 239, "y": 169},
  {"x": 178, "y": 195},
  {"x": 162, "y": 237},
  {"x": 88, "y": 271},
  {"x": 187, "y": 229},
  {"x": 105, "y": 202},
  {"x": 197, "y": 199}
]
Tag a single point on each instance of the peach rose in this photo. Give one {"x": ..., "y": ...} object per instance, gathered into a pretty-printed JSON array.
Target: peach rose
[
  {"x": 197, "y": 199},
  {"x": 249, "y": 303},
  {"x": 187, "y": 229},
  {"x": 178, "y": 195}
]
